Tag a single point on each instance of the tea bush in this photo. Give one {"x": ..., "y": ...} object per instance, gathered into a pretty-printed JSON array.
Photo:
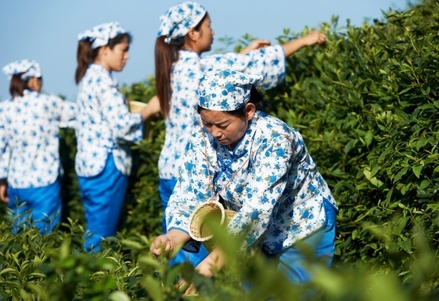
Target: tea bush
[
  {"x": 367, "y": 105},
  {"x": 368, "y": 108}
]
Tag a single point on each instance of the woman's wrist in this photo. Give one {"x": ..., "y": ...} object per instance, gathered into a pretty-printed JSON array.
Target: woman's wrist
[{"x": 177, "y": 236}]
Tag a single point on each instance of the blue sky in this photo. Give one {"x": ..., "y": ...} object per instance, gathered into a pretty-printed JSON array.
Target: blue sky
[{"x": 47, "y": 30}]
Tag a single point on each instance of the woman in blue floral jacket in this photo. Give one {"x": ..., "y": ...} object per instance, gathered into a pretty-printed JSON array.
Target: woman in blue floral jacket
[
  {"x": 259, "y": 167},
  {"x": 105, "y": 129},
  {"x": 30, "y": 166}
]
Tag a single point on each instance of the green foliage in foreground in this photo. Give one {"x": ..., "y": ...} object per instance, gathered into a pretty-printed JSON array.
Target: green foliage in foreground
[{"x": 367, "y": 105}]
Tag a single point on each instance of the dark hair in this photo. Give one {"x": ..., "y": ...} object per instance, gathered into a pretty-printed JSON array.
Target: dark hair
[
  {"x": 256, "y": 98},
  {"x": 18, "y": 85},
  {"x": 85, "y": 55},
  {"x": 165, "y": 55}
]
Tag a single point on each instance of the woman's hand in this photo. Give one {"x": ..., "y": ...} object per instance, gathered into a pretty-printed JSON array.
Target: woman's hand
[
  {"x": 152, "y": 108},
  {"x": 188, "y": 289},
  {"x": 162, "y": 244},
  {"x": 168, "y": 242},
  {"x": 213, "y": 262},
  {"x": 314, "y": 37},
  {"x": 256, "y": 44}
]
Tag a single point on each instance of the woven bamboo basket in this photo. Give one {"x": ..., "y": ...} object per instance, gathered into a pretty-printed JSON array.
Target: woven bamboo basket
[
  {"x": 205, "y": 216},
  {"x": 136, "y": 106}
]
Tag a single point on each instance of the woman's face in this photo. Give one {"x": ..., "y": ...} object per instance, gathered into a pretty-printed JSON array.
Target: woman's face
[
  {"x": 35, "y": 84},
  {"x": 114, "y": 59},
  {"x": 225, "y": 128},
  {"x": 204, "y": 36}
]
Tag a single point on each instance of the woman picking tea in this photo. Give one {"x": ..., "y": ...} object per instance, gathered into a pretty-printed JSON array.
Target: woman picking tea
[{"x": 258, "y": 166}]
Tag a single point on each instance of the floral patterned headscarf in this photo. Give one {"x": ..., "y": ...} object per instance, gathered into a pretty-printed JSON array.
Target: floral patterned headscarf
[
  {"x": 29, "y": 68},
  {"x": 225, "y": 90},
  {"x": 100, "y": 34},
  {"x": 179, "y": 19}
]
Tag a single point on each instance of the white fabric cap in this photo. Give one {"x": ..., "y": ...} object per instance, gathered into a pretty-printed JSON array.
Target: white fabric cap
[
  {"x": 225, "y": 90},
  {"x": 29, "y": 68},
  {"x": 179, "y": 19},
  {"x": 100, "y": 34}
]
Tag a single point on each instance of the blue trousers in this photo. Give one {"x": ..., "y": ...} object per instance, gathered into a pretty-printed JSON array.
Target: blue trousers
[
  {"x": 103, "y": 197},
  {"x": 166, "y": 186},
  {"x": 39, "y": 206},
  {"x": 296, "y": 264}
]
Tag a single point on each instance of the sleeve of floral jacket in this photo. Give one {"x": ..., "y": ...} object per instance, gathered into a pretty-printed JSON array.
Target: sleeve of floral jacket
[
  {"x": 124, "y": 125},
  {"x": 194, "y": 186},
  {"x": 268, "y": 61},
  {"x": 68, "y": 114}
]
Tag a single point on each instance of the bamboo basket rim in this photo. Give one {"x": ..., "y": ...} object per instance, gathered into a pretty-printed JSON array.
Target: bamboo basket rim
[
  {"x": 196, "y": 219},
  {"x": 136, "y": 106}
]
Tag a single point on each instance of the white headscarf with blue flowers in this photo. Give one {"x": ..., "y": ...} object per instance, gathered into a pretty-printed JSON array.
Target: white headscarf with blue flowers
[
  {"x": 179, "y": 19},
  {"x": 225, "y": 90},
  {"x": 29, "y": 68},
  {"x": 100, "y": 34}
]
